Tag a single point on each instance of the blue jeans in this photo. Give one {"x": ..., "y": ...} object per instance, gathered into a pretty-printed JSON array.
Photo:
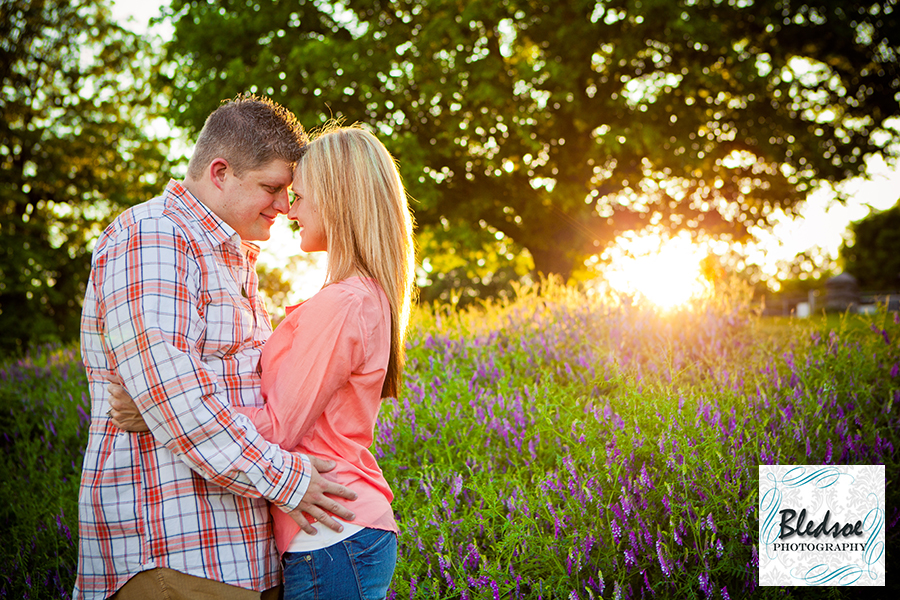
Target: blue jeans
[{"x": 360, "y": 567}]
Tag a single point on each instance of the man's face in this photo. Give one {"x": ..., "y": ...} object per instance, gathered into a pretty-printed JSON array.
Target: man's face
[{"x": 251, "y": 202}]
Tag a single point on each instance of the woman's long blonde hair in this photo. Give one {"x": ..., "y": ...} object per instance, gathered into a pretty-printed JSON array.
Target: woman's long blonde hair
[{"x": 363, "y": 206}]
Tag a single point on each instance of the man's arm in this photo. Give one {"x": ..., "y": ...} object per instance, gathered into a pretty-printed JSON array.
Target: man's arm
[
  {"x": 124, "y": 414},
  {"x": 149, "y": 287}
]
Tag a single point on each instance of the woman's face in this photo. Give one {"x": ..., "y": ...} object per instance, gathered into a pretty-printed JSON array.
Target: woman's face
[{"x": 304, "y": 211}]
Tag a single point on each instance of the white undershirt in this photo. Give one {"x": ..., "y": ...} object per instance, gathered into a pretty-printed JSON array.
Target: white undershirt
[{"x": 325, "y": 537}]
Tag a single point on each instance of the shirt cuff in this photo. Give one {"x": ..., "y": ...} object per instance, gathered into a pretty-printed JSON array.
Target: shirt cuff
[{"x": 290, "y": 491}]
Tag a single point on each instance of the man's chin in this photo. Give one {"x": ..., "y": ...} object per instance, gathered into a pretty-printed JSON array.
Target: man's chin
[{"x": 261, "y": 234}]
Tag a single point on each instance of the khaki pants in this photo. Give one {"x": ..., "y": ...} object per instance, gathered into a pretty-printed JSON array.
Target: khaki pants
[{"x": 167, "y": 584}]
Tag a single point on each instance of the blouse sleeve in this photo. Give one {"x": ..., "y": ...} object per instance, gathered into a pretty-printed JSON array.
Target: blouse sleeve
[{"x": 325, "y": 346}]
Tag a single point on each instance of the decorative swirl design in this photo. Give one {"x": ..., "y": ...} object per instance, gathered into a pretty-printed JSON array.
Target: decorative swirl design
[
  {"x": 769, "y": 504},
  {"x": 874, "y": 550},
  {"x": 820, "y": 575},
  {"x": 824, "y": 477}
]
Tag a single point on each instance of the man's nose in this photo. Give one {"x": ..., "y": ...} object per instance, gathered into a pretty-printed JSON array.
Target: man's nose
[{"x": 282, "y": 202}]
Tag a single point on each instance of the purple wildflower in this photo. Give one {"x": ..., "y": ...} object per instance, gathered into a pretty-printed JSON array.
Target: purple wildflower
[
  {"x": 704, "y": 582},
  {"x": 83, "y": 416},
  {"x": 473, "y": 558},
  {"x": 625, "y": 502},
  {"x": 630, "y": 558},
  {"x": 662, "y": 559},
  {"x": 788, "y": 412},
  {"x": 456, "y": 485},
  {"x": 588, "y": 544},
  {"x": 445, "y": 571},
  {"x": 645, "y": 477},
  {"x": 711, "y": 523},
  {"x": 647, "y": 583},
  {"x": 616, "y": 531}
]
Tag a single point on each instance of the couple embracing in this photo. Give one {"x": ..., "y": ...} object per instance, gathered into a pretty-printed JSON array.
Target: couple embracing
[{"x": 217, "y": 467}]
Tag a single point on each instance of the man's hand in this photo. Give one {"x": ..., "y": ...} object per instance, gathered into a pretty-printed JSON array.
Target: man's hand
[
  {"x": 315, "y": 503},
  {"x": 123, "y": 412}
]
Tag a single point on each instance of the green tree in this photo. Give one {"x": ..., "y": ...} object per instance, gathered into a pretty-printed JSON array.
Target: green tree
[
  {"x": 73, "y": 152},
  {"x": 873, "y": 255},
  {"x": 561, "y": 124}
]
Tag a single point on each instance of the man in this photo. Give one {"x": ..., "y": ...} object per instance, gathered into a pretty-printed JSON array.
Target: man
[{"x": 172, "y": 311}]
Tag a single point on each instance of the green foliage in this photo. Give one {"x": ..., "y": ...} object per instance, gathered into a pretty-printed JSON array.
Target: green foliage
[
  {"x": 73, "y": 152},
  {"x": 556, "y": 445},
  {"x": 463, "y": 266},
  {"x": 874, "y": 255},
  {"x": 561, "y": 124},
  {"x": 274, "y": 288},
  {"x": 43, "y": 423},
  {"x": 561, "y": 447}
]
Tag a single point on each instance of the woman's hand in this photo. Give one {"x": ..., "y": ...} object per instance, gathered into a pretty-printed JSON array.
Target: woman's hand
[{"x": 123, "y": 412}]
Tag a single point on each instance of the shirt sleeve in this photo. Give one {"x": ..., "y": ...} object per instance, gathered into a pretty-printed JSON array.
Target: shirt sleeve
[
  {"x": 326, "y": 345},
  {"x": 149, "y": 286}
]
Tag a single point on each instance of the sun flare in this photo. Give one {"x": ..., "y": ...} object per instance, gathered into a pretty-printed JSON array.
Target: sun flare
[{"x": 666, "y": 272}]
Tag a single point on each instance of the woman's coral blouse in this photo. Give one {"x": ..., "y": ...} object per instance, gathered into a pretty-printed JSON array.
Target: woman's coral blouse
[{"x": 322, "y": 373}]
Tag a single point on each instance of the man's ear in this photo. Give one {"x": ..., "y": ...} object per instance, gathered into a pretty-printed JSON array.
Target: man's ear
[{"x": 219, "y": 171}]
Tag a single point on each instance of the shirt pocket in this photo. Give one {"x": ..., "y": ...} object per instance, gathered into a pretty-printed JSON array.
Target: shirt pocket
[{"x": 230, "y": 322}]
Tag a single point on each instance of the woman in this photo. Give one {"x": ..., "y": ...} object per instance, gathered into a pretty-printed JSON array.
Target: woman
[{"x": 328, "y": 365}]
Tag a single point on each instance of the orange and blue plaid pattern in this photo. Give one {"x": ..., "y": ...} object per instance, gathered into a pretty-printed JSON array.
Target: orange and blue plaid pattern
[{"x": 172, "y": 308}]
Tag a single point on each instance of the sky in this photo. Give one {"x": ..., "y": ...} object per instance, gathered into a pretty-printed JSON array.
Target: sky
[
  {"x": 140, "y": 11},
  {"x": 822, "y": 221}
]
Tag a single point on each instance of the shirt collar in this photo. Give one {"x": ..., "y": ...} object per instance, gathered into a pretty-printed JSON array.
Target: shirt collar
[{"x": 218, "y": 230}]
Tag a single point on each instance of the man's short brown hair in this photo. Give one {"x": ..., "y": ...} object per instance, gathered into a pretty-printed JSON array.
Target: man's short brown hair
[{"x": 249, "y": 132}]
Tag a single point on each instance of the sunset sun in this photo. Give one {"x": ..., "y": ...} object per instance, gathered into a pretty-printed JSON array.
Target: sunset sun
[{"x": 664, "y": 272}]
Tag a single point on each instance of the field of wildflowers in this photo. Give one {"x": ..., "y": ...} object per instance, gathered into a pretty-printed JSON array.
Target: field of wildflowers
[{"x": 557, "y": 446}]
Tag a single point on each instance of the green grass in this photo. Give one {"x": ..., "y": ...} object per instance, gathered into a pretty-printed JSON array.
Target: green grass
[
  {"x": 43, "y": 431},
  {"x": 556, "y": 446}
]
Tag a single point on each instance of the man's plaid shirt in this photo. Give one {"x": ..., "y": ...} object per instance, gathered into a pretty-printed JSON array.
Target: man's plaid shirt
[{"x": 172, "y": 308}]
